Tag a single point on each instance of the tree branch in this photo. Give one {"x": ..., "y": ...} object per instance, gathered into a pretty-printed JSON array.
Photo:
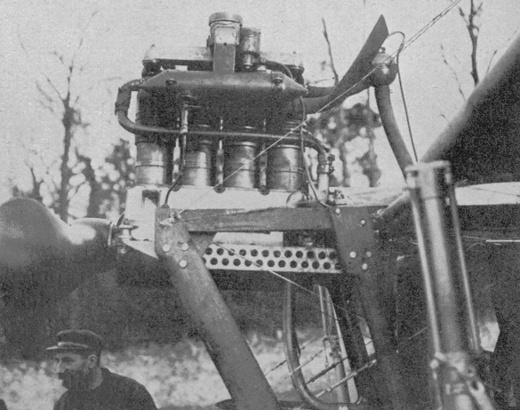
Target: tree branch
[
  {"x": 52, "y": 85},
  {"x": 473, "y": 30},
  {"x": 329, "y": 48},
  {"x": 500, "y": 48},
  {"x": 455, "y": 75}
]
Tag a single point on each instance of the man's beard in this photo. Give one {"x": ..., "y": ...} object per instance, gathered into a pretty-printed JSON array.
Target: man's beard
[{"x": 76, "y": 379}]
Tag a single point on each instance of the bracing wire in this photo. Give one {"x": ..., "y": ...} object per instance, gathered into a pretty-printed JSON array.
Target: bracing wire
[
  {"x": 403, "y": 98},
  {"x": 405, "y": 106},
  {"x": 430, "y": 24}
]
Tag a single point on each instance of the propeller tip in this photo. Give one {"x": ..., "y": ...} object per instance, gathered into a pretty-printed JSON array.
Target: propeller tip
[{"x": 381, "y": 24}]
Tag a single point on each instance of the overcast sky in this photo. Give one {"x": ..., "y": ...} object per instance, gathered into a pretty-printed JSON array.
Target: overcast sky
[{"x": 121, "y": 31}]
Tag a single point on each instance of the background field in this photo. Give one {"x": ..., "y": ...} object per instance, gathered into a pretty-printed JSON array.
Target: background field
[{"x": 179, "y": 376}]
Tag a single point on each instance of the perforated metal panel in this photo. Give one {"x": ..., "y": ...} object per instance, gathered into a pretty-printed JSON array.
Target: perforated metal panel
[{"x": 277, "y": 258}]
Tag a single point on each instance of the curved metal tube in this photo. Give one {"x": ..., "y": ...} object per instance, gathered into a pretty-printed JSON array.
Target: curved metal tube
[
  {"x": 495, "y": 95},
  {"x": 122, "y": 106},
  {"x": 386, "y": 112},
  {"x": 135, "y": 128},
  {"x": 291, "y": 346}
]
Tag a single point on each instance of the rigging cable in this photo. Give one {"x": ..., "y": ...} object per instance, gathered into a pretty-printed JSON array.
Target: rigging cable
[{"x": 403, "y": 98}]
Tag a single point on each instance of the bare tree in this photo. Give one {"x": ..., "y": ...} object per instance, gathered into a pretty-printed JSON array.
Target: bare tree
[
  {"x": 60, "y": 97},
  {"x": 472, "y": 20},
  {"x": 340, "y": 126},
  {"x": 65, "y": 106}
]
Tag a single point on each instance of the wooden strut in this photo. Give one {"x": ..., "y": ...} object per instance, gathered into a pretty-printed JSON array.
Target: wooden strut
[{"x": 203, "y": 302}]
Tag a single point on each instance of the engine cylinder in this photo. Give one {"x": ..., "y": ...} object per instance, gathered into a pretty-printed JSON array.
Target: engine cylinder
[
  {"x": 240, "y": 163},
  {"x": 151, "y": 161},
  {"x": 284, "y": 167},
  {"x": 200, "y": 162},
  {"x": 284, "y": 160},
  {"x": 154, "y": 160}
]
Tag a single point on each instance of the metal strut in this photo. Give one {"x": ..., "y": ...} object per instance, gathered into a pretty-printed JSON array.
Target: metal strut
[
  {"x": 356, "y": 249},
  {"x": 203, "y": 302},
  {"x": 452, "y": 324}
]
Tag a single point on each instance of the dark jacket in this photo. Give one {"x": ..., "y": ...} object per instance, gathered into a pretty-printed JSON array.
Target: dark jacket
[{"x": 114, "y": 393}]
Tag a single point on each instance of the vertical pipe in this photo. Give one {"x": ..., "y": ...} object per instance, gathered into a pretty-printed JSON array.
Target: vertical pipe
[
  {"x": 432, "y": 195},
  {"x": 433, "y": 323},
  {"x": 470, "y": 311},
  {"x": 431, "y": 308},
  {"x": 432, "y": 182}
]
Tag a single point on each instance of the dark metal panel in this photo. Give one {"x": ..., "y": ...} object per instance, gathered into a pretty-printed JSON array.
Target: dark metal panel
[
  {"x": 482, "y": 142},
  {"x": 356, "y": 242}
]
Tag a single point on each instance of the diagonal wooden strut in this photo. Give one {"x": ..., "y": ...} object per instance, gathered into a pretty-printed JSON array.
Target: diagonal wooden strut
[{"x": 204, "y": 304}]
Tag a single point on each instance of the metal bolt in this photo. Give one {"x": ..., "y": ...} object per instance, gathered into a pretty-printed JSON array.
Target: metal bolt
[
  {"x": 364, "y": 266},
  {"x": 353, "y": 255},
  {"x": 185, "y": 246},
  {"x": 183, "y": 263},
  {"x": 363, "y": 222},
  {"x": 368, "y": 254},
  {"x": 434, "y": 364},
  {"x": 337, "y": 211},
  {"x": 166, "y": 248},
  {"x": 167, "y": 222}
]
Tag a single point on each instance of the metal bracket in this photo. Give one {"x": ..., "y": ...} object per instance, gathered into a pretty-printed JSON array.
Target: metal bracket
[
  {"x": 354, "y": 237},
  {"x": 469, "y": 382}
]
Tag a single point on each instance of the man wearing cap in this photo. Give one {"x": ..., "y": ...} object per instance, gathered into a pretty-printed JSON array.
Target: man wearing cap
[{"x": 89, "y": 386}]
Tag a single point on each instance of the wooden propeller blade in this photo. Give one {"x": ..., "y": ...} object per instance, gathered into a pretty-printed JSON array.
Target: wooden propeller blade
[
  {"x": 43, "y": 258},
  {"x": 352, "y": 82}
]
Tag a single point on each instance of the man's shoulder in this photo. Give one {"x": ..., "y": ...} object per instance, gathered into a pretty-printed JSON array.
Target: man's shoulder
[
  {"x": 62, "y": 402},
  {"x": 127, "y": 388},
  {"x": 115, "y": 379}
]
